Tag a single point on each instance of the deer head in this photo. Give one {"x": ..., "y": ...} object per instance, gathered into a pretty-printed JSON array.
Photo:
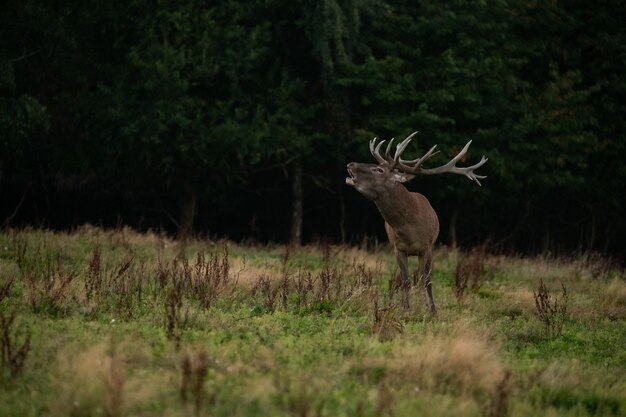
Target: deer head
[{"x": 375, "y": 180}]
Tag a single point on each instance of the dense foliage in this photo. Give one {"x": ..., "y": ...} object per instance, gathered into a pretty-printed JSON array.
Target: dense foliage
[{"x": 238, "y": 118}]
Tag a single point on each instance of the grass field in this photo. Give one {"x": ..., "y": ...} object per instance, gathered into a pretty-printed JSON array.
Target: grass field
[{"x": 116, "y": 323}]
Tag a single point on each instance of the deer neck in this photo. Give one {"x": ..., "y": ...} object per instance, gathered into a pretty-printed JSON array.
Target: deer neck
[{"x": 396, "y": 206}]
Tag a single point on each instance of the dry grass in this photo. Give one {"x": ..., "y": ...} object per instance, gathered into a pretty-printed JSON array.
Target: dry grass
[
  {"x": 387, "y": 324},
  {"x": 589, "y": 297},
  {"x": 526, "y": 270},
  {"x": 586, "y": 299},
  {"x": 470, "y": 271},
  {"x": 247, "y": 276},
  {"x": 463, "y": 362},
  {"x": 594, "y": 265},
  {"x": 98, "y": 380},
  {"x": 90, "y": 382},
  {"x": 561, "y": 376},
  {"x": 611, "y": 300},
  {"x": 520, "y": 300},
  {"x": 359, "y": 256}
]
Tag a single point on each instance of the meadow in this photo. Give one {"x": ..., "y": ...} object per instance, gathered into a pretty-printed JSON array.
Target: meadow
[{"x": 120, "y": 323}]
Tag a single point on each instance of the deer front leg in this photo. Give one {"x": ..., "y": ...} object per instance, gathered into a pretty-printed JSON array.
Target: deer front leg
[
  {"x": 402, "y": 259},
  {"x": 426, "y": 263}
]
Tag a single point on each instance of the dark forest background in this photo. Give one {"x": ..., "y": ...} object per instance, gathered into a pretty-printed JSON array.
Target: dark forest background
[{"x": 237, "y": 118}]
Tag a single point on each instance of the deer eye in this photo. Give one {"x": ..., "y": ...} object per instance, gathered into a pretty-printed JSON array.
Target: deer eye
[{"x": 378, "y": 170}]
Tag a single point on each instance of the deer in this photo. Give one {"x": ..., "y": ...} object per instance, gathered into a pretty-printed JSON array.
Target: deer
[{"x": 411, "y": 223}]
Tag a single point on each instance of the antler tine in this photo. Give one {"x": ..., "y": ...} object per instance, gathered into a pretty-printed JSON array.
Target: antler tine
[
  {"x": 470, "y": 171},
  {"x": 460, "y": 154},
  {"x": 401, "y": 147},
  {"x": 418, "y": 161},
  {"x": 376, "y": 150},
  {"x": 409, "y": 138},
  {"x": 388, "y": 151},
  {"x": 449, "y": 167}
]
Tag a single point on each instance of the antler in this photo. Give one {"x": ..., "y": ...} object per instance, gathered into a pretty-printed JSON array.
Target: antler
[
  {"x": 375, "y": 150},
  {"x": 393, "y": 162},
  {"x": 415, "y": 166}
]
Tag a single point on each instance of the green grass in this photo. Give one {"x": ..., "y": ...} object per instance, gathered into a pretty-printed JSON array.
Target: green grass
[{"x": 293, "y": 332}]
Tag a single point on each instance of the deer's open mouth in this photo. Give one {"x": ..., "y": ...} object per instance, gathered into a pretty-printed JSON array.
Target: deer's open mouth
[{"x": 351, "y": 178}]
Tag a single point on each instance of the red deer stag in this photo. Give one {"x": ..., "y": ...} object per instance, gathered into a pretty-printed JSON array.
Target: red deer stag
[{"x": 410, "y": 221}]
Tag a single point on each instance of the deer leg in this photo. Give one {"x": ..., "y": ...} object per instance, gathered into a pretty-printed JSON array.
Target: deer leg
[
  {"x": 426, "y": 262},
  {"x": 403, "y": 261}
]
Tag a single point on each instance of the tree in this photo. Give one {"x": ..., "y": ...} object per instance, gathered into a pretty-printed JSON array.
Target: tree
[
  {"x": 307, "y": 113},
  {"x": 186, "y": 104},
  {"x": 23, "y": 117},
  {"x": 446, "y": 70},
  {"x": 146, "y": 113}
]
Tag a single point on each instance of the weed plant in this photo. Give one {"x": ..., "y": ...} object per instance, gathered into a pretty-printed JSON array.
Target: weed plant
[
  {"x": 120, "y": 323},
  {"x": 13, "y": 353},
  {"x": 552, "y": 311}
]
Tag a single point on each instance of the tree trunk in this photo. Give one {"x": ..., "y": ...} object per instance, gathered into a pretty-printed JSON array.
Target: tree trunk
[
  {"x": 546, "y": 244},
  {"x": 297, "y": 197},
  {"x": 187, "y": 211},
  {"x": 591, "y": 243},
  {"x": 1, "y": 180}
]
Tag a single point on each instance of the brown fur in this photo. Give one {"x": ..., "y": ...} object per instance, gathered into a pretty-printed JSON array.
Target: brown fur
[{"x": 411, "y": 223}]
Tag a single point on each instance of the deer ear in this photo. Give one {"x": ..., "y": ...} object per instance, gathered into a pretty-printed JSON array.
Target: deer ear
[{"x": 402, "y": 177}]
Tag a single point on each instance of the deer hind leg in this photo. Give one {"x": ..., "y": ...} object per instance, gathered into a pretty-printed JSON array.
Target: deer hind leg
[
  {"x": 426, "y": 263},
  {"x": 403, "y": 261}
]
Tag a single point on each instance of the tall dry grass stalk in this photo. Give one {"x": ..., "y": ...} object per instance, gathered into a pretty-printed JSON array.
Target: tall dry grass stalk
[
  {"x": 177, "y": 316},
  {"x": 595, "y": 264},
  {"x": 298, "y": 396},
  {"x": 114, "y": 384},
  {"x": 48, "y": 286},
  {"x": 499, "y": 406},
  {"x": 6, "y": 286},
  {"x": 194, "y": 369},
  {"x": 469, "y": 271},
  {"x": 387, "y": 324},
  {"x": 93, "y": 280},
  {"x": 201, "y": 371},
  {"x": 13, "y": 353},
  {"x": 384, "y": 401},
  {"x": 337, "y": 283},
  {"x": 186, "y": 371}
]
